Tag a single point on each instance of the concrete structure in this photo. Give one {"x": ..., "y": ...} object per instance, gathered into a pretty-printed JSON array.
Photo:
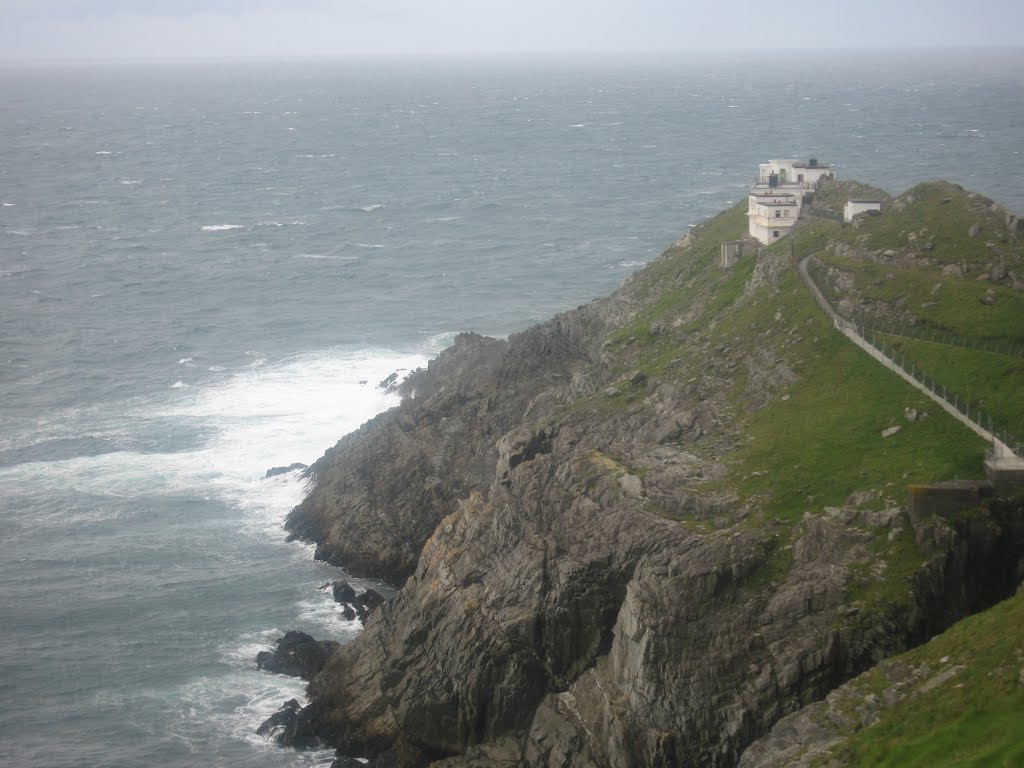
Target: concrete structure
[
  {"x": 794, "y": 173},
  {"x": 772, "y": 213},
  {"x": 853, "y": 207},
  {"x": 777, "y": 195},
  {"x": 947, "y": 498},
  {"x": 732, "y": 251}
]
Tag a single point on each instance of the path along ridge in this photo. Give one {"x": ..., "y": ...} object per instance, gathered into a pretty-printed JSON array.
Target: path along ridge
[{"x": 1000, "y": 455}]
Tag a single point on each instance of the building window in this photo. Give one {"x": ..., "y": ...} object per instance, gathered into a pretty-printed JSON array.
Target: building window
[
  {"x": 778, "y": 213},
  {"x": 775, "y": 233}
]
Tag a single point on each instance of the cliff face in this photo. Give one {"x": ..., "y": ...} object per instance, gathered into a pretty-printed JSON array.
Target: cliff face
[{"x": 596, "y": 575}]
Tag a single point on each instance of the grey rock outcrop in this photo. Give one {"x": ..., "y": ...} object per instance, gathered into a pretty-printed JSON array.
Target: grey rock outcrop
[
  {"x": 580, "y": 586},
  {"x": 297, "y": 654}
]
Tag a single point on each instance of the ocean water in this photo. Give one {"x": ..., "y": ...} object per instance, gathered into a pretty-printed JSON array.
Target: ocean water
[{"x": 205, "y": 269}]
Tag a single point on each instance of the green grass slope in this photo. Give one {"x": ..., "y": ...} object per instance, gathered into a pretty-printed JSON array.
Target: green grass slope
[{"x": 960, "y": 699}]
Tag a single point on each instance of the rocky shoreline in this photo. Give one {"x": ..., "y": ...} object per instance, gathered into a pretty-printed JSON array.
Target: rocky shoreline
[{"x": 582, "y": 583}]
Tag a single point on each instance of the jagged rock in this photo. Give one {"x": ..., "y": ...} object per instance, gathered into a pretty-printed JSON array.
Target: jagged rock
[
  {"x": 631, "y": 485},
  {"x": 281, "y": 725},
  {"x": 890, "y": 431},
  {"x": 552, "y": 616},
  {"x": 371, "y": 600},
  {"x": 389, "y": 382},
  {"x": 519, "y": 445},
  {"x": 297, "y": 655},
  {"x": 974, "y": 231},
  {"x": 343, "y": 592},
  {"x": 274, "y": 471}
]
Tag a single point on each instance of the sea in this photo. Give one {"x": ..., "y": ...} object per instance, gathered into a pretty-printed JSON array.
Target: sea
[{"x": 207, "y": 267}]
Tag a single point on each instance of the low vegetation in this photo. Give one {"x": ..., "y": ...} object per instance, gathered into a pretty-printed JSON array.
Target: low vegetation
[{"x": 963, "y": 704}]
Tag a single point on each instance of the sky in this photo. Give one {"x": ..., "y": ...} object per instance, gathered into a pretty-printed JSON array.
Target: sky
[{"x": 174, "y": 29}]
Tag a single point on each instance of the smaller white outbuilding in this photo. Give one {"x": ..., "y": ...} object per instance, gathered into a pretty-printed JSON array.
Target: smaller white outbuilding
[{"x": 853, "y": 207}]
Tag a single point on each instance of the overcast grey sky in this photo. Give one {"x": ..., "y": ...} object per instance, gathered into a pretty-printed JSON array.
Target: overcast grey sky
[{"x": 48, "y": 29}]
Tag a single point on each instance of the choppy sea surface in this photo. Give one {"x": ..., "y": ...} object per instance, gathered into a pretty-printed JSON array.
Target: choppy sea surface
[{"x": 205, "y": 269}]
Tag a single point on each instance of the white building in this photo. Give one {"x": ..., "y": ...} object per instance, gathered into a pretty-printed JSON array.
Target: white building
[
  {"x": 794, "y": 172},
  {"x": 772, "y": 213},
  {"x": 853, "y": 207},
  {"x": 777, "y": 194}
]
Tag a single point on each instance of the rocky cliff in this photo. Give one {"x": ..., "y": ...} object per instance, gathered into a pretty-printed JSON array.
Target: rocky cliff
[{"x": 640, "y": 533}]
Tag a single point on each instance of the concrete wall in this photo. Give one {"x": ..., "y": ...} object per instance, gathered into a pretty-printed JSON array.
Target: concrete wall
[
  {"x": 767, "y": 234},
  {"x": 732, "y": 251},
  {"x": 946, "y": 498},
  {"x": 853, "y": 207}
]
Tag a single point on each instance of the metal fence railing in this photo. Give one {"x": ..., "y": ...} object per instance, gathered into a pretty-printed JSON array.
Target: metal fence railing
[{"x": 1003, "y": 442}]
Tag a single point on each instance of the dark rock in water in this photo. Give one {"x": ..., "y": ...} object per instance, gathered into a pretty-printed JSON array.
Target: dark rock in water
[
  {"x": 371, "y": 600},
  {"x": 389, "y": 383},
  {"x": 282, "y": 724},
  {"x": 356, "y": 605},
  {"x": 342, "y": 761},
  {"x": 297, "y": 654},
  {"x": 275, "y": 471},
  {"x": 343, "y": 592}
]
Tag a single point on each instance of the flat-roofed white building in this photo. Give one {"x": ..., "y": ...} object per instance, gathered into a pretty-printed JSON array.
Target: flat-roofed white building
[
  {"x": 795, "y": 172},
  {"x": 772, "y": 213},
  {"x": 853, "y": 207},
  {"x": 777, "y": 194}
]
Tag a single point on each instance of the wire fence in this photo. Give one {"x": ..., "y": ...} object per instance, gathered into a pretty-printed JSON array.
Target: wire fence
[
  {"x": 1010, "y": 347},
  {"x": 896, "y": 359}
]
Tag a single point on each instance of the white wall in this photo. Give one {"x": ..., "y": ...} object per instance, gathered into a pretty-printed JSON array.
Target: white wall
[{"x": 853, "y": 207}]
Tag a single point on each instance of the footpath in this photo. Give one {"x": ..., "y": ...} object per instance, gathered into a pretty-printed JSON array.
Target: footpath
[{"x": 1000, "y": 456}]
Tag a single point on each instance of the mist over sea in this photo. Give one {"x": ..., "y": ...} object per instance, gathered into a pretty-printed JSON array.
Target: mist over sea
[{"x": 206, "y": 268}]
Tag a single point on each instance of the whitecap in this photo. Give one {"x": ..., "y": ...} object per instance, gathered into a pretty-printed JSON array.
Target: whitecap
[
  {"x": 185, "y": 360},
  {"x": 633, "y": 264},
  {"x": 220, "y": 227},
  {"x": 178, "y": 385},
  {"x": 130, "y": 182},
  {"x": 19, "y": 232},
  {"x": 577, "y": 125},
  {"x": 326, "y": 257},
  {"x": 373, "y": 207},
  {"x": 8, "y": 205},
  {"x": 104, "y": 152},
  {"x": 216, "y": 368},
  {"x": 441, "y": 219}
]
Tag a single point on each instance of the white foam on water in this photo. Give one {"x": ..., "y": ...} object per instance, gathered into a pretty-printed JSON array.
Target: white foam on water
[
  {"x": 373, "y": 207},
  {"x": 8, "y": 205},
  {"x": 130, "y": 182},
  {"x": 178, "y": 385},
  {"x": 220, "y": 227},
  {"x": 259, "y": 417},
  {"x": 329, "y": 257},
  {"x": 104, "y": 152},
  {"x": 325, "y": 613}
]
